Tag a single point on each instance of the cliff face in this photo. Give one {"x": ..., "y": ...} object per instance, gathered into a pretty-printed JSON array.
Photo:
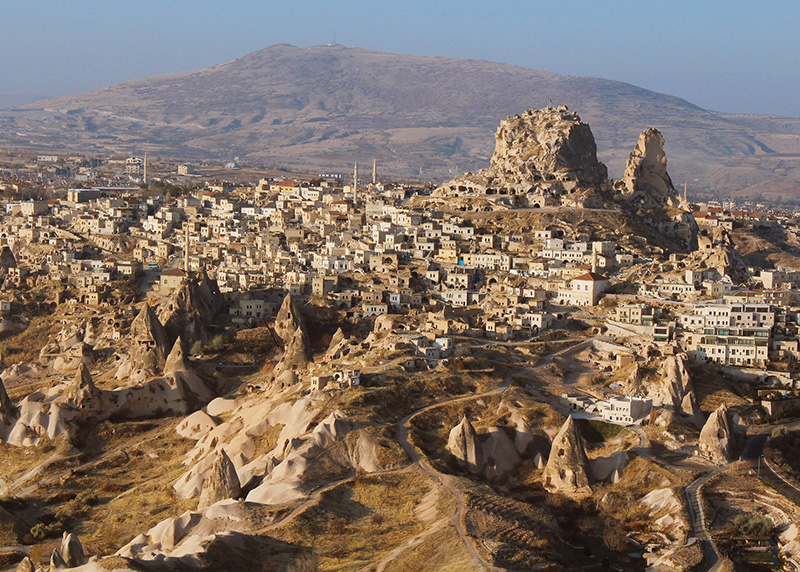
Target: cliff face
[
  {"x": 646, "y": 182},
  {"x": 545, "y": 145},
  {"x": 544, "y": 157}
]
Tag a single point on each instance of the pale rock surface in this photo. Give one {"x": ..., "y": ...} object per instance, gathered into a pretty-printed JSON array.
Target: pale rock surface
[
  {"x": 716, "y": 437},
  {"x": 82, "y": 393},
  {"x": 220, "y": 405},
  {"x": 56, "y": 561},
  {"x": 339, "y": 345},
  {"x": 542, "y": 157},
  {"x": 190, "y": 309},
  {"x": 465, "y": 446},
  {"x": 500, "y": 453},
  {"x": 716, "y": 250},
  {"x": 73, "y": 357},
  {"x": 149, "y": 347},
  {"x": 661, "y": 499},
  {"x": 674, "y": 389},
  {"x": 196, "y": 425},
  {"x": 646, "y": 182},
  {"x": 221, "y": 483},
  {"x": 186, "y": 537},
  {"x": 25, "y": 565},
  {"x": 296, "y": 355},
  {"x": 249, "y": 420},
  {"x": 288, "y": 320},
  {"x": 72, "y": 550},
  {"x": 567, "y": 470}
]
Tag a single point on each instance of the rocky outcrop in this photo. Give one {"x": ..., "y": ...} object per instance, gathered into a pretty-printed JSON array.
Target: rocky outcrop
[
  {"x": 221, "y": 483},
  {"x": 73, "y": 357},
  {"x": 82, "y": 393},
  {"x": 288, "y": 320},
  {"x": 7, "y": 410},
  {"x": 57, "y": 561},
  {"x": 296, "y": 355},
  {"x": 672, "y": 388},
  {"x": 70, "y": 554},
  {"x": 716, "y": 250},
  {"x": 339, "y": 346},
  {"x": 499, "y": 451},
  {"x": 176, "y": 360},
  {"x": 465, "y": 446},
  {"x": 646, "y": 186},
  {"x": 673, "y": 384},
  {"x": 148, "y": 349},
  {"x": 542, "y": 157},
  {"x": 646, "y": 182},
  {"x": 567, "y": 471},
  {"x": 25, "y": 565},
  {"x": 7, "y": 259},
  {"x": 717, "y": 437},
  {"x": 191, "y": 309},
  {"x": 291, "y": 329}
]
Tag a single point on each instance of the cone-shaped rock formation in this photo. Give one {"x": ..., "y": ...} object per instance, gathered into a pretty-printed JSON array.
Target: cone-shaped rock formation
[
  {"x": 567, "y": 470},
  {"x": 221, "y": 483},
  {"x": 465, "y": 446}
]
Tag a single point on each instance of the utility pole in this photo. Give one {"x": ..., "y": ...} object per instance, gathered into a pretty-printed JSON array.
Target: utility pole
[
  {"x": 355, "y": 183},
  {"x": 186, "y": 250}
]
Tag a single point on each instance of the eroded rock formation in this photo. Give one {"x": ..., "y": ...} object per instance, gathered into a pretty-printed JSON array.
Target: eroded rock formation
[
  {"x": 221, "y": 483},
  {"x": 717, "y": 437},
  {"x": 542, "y": 157},
  {"x": 567, "y": 470},
  {"x": 465, "y": 446},
  {"x": 646, "y": 182},
  {"x": 191, "y": 308}
]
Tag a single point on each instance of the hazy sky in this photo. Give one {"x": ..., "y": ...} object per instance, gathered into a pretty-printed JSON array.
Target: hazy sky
[{"x": 723, "y": 55}]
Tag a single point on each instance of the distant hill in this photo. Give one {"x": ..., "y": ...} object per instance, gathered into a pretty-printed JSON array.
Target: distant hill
[{"x": 324, "y": 107}]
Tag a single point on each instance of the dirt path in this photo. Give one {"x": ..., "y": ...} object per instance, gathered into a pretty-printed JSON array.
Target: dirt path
[{"x": 448, "y": 481}]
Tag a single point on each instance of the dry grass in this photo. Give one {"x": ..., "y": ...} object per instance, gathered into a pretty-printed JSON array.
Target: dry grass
[
  {"x": 132, "y": 466},
  {"x": 358, "y": 522},
  {"x": 711, "y": 388}
]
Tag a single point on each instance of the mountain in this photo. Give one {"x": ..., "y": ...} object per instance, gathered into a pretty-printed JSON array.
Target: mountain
[{"x": 324, "y": 107}]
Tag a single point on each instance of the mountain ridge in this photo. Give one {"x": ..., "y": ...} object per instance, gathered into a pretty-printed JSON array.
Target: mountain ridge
[{"x": 326, "y": 106}]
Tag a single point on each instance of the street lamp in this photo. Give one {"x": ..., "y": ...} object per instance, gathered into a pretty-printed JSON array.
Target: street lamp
[{"x": 759, "y": 464}]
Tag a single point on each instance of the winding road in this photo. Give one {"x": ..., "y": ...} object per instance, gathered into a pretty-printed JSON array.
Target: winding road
[
  {"x": 694, "y": 497},
  {"x": 447, "y": 481}
]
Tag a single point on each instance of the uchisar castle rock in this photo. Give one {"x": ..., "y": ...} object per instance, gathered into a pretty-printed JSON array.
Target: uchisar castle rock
[{"x": 527, "y": 368}]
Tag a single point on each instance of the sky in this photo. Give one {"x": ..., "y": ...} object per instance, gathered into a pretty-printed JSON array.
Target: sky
[{"x": 731, "y": 56}]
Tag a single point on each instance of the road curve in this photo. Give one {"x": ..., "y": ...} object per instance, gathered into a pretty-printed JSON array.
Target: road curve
[{"x": 446, "y": 480}]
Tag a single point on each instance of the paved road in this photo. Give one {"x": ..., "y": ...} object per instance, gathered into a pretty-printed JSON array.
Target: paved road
[
  {"x": 754, "y": 453},
  {"x": 713, "y": 558}
]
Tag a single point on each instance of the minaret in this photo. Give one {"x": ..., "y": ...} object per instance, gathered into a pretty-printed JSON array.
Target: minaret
[
  {"x": 145, "y": 168},
  {"x": 355, "y": 183},
  {"x": 186, "y": 250},
  {"x": 374, "y": 171},
  {"x": 684, "y": 192}
]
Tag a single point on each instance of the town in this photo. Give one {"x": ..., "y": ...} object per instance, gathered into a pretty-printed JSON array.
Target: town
[{"x": 553, "y": 334}]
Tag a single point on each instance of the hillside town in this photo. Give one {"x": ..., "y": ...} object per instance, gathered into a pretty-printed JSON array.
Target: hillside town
[{"x": 537, "y": 329}]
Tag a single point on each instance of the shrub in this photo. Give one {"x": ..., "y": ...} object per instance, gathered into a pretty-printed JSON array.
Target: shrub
[
  {"x": 218, "y": 342},
  {"x": 751, "y": 524},
  {"x": 197, "y": 347},
  {"x": 43, "y": 531}
]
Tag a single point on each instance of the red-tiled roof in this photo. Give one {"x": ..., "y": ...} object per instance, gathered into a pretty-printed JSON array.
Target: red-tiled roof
[
  {"x": 593, "y": 276},
  {"x": 174, "y": 272}
]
